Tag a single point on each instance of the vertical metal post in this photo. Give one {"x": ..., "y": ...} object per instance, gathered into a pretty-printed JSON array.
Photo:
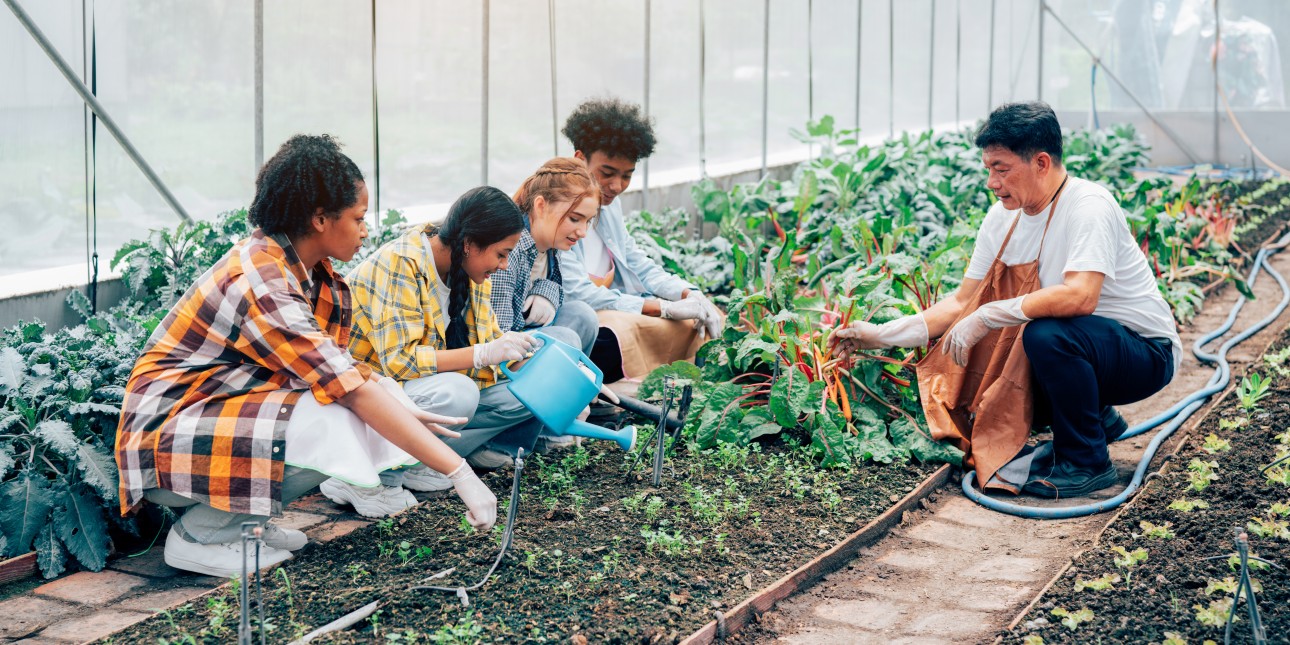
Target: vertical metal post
[
  {"x": 765, "y": 85},
  {"x": 483, "y": 139},
  {"x": 259, "y": 85},
  {"x": 645, "y": 173},
  {"x": 555, "y": 114},
  {"x": 859, "y": 55},
  {"x": 891, "y": 68},
  {"x": 376, "y": 128},
  {"x": 958, "y": 56},
  {"x": 1043, "y": 11},
  {"x": 703, "y": 77},
  {"x": 989, "y": 93},
  {"x": 1217, "y": 42},
  {"x": 931, "y": 65}
]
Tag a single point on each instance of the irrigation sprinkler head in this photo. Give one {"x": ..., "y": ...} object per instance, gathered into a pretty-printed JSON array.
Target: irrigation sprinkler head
[{"x": 251, "y": 532}]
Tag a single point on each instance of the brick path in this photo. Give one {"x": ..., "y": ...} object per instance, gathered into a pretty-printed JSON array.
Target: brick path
[{"x": 89, "y": 605}]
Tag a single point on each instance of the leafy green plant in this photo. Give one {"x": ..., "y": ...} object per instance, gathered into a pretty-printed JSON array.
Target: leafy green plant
[
  {"x": 1127, "y": 560},
  {"x": 1201, "y": 473},
  {"x": 1253, "y": 389},
  {"x": 1214, "y": 445},
  {"x": 1269, "y": 527},
  {"x": 1158, "y": 532},
  {"x": 1188, "y": 505},
  {"x": 672, "y": 545},
  {"x": 1173, "y": 638},
  {"x": 1228, "y": 585},
  {"x": 1073, "y": 619},
  {"x": 1215, "y": 613},
  {"x": 464, "y": 632},
  {"x": 1100, "y": 583},
  {"x": 1233, "y": 424}
]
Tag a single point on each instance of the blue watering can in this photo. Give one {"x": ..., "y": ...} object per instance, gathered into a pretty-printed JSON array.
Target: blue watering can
[{"x": 556, "y": 384}]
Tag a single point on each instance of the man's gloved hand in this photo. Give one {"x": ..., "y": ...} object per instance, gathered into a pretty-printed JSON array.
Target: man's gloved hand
[
  {"x": 992, "y": 315},
  {"x": 538, "y": 311},
  {"x": 687, "y": 309},
  {"x": 512, "y": 346},
  {"x": 910, "y": 331},
  {"x": 481, "y": 504},
  {"x": 712, "y": 320}
]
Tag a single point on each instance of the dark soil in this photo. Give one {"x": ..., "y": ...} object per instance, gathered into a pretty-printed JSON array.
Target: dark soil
[
  {"x": 580, "y": 565},
  {"x": 1164, "y": 593}
]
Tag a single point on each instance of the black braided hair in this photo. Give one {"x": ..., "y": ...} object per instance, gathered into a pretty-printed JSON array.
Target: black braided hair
[
  {"x": 307, "y": 172},
  {"x": 614, "y": 127},
  {"x": 483, "y": 216}
]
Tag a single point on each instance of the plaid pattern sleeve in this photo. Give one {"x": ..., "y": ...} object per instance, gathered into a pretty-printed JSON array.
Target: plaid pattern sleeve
[
  {"x": 207, "y": 404},
  {"x": 399, "y": 324}
]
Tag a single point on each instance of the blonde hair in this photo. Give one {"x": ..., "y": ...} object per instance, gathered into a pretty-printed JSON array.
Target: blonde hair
[{"x": 562, "y": 179}]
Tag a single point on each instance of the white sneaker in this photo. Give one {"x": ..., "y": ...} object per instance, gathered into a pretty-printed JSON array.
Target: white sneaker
[
  {"x": 489, "y": 459},
  {"x": 380, "y": 501},
  {"x": 286, "y": 539},
  {"x": 221, "y": 560},
  {"x": 547, "y": 443},
  {"x": 425, "y": 480}
]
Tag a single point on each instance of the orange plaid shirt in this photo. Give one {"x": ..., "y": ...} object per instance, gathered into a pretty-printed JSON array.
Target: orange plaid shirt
[{"x": 207, "y": 405}]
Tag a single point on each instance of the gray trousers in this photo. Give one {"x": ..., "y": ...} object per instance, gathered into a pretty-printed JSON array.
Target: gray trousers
[
  {"x": 449, "y": 393},
  {"x": 204, "y": 524}
]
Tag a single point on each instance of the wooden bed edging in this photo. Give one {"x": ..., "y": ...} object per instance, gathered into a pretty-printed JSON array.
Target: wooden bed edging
[
  {"x": 18, "y": 568},
  {"x": 811, "y": 572}
]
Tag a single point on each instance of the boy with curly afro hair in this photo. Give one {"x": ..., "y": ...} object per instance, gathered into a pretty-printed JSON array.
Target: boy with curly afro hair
[{"x": 648, "y": 317}]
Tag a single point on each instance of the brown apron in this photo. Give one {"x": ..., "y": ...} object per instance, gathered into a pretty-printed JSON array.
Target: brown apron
[
  {"x": 647, "y": 342},
  {"x": 985, "y": 408}
]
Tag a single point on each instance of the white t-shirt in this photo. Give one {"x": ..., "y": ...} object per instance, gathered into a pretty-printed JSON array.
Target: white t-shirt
[
  {"x": 1088, "y": 233},
  {"x": 596, "y": 258}
]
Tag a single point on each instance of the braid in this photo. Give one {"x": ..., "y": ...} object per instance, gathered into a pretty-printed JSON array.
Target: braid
[
  {"x": 458, "y": 297},
  {"x": 562, "y": 179},
  {"x": 484, "y": 216}
]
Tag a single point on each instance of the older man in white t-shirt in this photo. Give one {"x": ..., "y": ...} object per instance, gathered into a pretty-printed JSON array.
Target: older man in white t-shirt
[{"x": 1098, "y": 331}]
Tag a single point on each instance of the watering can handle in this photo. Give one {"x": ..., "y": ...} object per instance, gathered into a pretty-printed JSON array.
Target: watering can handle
[{"x": 536, "y": 334}]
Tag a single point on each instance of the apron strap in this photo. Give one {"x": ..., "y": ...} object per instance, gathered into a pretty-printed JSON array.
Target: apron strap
[{"x": 1052, "y": 209}]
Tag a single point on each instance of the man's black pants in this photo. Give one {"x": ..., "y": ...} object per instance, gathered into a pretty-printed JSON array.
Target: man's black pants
[{"x": 1080, "y": 365}]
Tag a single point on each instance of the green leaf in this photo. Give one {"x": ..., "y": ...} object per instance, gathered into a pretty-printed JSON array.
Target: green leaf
[
  {"x": 49, "y": 553},
  {"x": 755, "y": 347},
  {"x": 918, "y": 441},
  {"x": 6, "y": 460},
  {"x": 788, "y": 397},
  {"x": 12, "y": 369},
  {"x": 25, "y": 502},
  {"x": 78, "y": 521},
  {"x": 98, "y": 469},
  {"x": 91, "y": 406},
  {"x": 829, "y": 439},
  {"x": 681, "y": 371},
  {"x": 59, "y": 435},
  {"x": 758, "y": 422},
  {"x": 714, "y": 409}
]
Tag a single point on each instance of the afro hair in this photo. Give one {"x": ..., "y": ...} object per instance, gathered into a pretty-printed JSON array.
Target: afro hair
[
  {"x": 611, "y": 126},
  {"x": 307, "y": 173}
]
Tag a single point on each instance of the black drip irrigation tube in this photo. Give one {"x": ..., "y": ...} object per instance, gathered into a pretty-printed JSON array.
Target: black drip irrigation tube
[
  {"x": 1174, "y": 417},
  {"x": 461, "y": 591},
  {"x": 1246, "y": 586}
]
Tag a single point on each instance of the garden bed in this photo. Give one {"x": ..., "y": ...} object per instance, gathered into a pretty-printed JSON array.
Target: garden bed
[
  {"x": 594, "y": 556},
  {"x": 1115, "y": 595}
]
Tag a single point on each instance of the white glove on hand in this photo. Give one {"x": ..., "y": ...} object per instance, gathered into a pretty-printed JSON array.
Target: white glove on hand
[
  {"x": 512, "y": 346},
  {"x": 712, "y": 320},
  {"x": 687, "y": 309},
  {"x": 992, "y": 315},
  {"x": 910, "y": 331},
  {"x": 481, "y": 504},
  {"x": 538, "y": 311}
]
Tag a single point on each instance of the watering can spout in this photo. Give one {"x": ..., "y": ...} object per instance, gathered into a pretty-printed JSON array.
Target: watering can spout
[{"x": 625, "y": 437}]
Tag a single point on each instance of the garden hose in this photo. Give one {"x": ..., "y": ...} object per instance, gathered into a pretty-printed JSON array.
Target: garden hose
[{"x": 1173, "y": 418}]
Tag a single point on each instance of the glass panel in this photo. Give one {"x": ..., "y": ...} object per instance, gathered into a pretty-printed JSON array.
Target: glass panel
[
  {"x": 875, "y": 73},
  {"x": 913, "y": 58},
  {"x": 42, "y": 143},
  {"x": 674, "y": 84}
]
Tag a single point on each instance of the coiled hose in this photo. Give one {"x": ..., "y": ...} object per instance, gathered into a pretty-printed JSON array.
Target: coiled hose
[{"x": 1174, "y": 417}]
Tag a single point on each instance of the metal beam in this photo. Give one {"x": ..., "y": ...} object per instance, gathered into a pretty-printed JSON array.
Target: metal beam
[{"x": 93, "y": 102}]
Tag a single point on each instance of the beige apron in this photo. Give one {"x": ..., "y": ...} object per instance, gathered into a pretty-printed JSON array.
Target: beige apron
[
  {"x": 985, "y": 408},
  {"x": 647, "y": 342}
]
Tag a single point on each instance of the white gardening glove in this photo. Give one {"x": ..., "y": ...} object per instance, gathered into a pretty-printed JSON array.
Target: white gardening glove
[
  {"x": 910, "y": 331},
  {"x": 538, "y": 311},
  {"x": 992, "y": 315},
  {"x": 712, "y": 320},
  {"x": 687, "y": 309},
  {"x": 433, "y": 422},
  {"x": 481, "y": 504},
  {"x": 512, "y": 346}
]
